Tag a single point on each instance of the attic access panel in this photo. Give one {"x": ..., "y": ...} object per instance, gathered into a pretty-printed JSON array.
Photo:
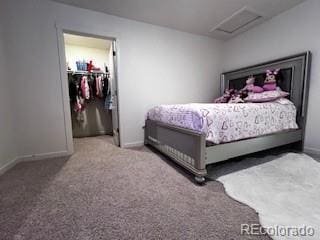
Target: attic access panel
[{"x": 238, "y": 21}]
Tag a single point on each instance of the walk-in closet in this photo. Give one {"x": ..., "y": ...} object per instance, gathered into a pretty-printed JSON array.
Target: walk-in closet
[{"x": 90, "y": 70}]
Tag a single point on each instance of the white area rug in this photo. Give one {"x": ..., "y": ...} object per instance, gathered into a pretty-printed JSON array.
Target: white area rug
[{"x": 284, "y": 190}]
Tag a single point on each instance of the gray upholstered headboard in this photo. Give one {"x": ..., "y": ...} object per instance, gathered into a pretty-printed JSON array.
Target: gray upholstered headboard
[{"x": 293, "y": 78}]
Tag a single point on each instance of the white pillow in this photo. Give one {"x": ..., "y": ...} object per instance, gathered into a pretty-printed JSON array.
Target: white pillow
[{"x": 267, "y": 96}]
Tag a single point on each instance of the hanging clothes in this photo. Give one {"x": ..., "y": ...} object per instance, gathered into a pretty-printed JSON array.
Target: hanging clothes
[
  {"x": 79, "y": 104},
  {"x": 108, "y": 102},
  {"x": 79, "y": 108},
  {"x": 85, "y": 88},
  {"x": 105, "y": 86},
  {"x": 73, "y": 91},
  {"x": 99, "y": 87},
  {"x": 92, "y": 87},
  {"x": 108, "y": 97}
]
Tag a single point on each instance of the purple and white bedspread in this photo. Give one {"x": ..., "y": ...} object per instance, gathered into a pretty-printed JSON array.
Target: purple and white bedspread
[{"x": 229, "y": 122}]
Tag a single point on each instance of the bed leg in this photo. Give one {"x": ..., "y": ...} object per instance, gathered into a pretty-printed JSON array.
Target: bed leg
[{"x": 200, "y": 180}]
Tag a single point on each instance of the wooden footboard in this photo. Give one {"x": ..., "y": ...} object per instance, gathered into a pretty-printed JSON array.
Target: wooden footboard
[{"x": 185, "y": 147}]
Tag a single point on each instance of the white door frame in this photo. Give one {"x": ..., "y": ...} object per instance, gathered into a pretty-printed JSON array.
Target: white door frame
[{"x": 60, "y": 30}]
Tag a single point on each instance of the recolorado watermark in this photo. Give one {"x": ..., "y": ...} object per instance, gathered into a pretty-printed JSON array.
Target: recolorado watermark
[{"x": 277, "y": 231}]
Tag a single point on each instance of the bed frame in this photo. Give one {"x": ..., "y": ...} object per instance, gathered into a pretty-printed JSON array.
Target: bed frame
[{"x": 189, "y": 148}]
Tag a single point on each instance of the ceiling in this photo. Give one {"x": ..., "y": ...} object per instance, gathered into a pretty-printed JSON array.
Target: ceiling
[
  {"x": 87, "y": 41},
  {"x": 195, "y": 16}
]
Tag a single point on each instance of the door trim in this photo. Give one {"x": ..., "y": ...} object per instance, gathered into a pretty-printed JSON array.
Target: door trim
[{"x": 60, "y": 30}]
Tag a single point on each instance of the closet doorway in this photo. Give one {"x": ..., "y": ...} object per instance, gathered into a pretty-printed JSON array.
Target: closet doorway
[{"x": 91, "y": 75}]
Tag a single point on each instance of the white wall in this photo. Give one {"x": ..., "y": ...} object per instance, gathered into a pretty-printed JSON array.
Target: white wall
[
  {"x": 7, "y": 144},
  {"x": 100, "y": 57},
  {"x": 156, "y": 65},
  {"x": 291, "y": 32}
]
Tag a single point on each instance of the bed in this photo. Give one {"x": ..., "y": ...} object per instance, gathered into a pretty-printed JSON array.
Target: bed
[
  {"x": 223, "y": 123},
  {"x": 196, "y": 135}
]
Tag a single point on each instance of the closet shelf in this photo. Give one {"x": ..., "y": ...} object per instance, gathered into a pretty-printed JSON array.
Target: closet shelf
[{"x": 85, "y": 72}]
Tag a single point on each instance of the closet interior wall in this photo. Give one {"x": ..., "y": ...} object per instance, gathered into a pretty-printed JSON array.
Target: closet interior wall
[{"x": 96, "y": 118}]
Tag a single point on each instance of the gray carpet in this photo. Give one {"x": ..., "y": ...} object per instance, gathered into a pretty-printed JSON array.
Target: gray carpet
[{"x": 103, "y": 192}]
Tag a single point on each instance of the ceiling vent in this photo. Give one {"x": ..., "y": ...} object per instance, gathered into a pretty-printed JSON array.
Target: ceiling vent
[{"x": 238, "y": 22}]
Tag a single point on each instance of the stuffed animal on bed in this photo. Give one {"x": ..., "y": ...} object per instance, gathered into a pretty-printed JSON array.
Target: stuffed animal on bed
[
  {"x": 225, "y": 97},
  {"x": 270, "y": 83},
  {"x": 250, "y": 87},
  {"x": 232, "y": 96},
  {"x": 238, "y": 96}
]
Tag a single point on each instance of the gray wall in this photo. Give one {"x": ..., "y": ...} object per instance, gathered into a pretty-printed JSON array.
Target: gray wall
[
  {"x": 291, "y": 32},
  {"x": 156, "y": 65},
  {"x": 7, "y": 144}
]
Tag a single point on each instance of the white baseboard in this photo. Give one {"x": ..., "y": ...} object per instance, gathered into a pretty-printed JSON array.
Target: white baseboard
[
  {"x": 312, "y": 151},
  {"x": 43, "y": 156},
  {"x": 8, "y": 166},
  {"x": 33, "y": 157},
  {"x": 133, "y": 144}
]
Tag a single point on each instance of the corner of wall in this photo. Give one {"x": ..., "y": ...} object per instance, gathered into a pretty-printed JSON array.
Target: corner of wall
[
  {"x": 10, "y": 164},
  {"x": 8, "y": 150},
  {"x": 312, "y": 151}
]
